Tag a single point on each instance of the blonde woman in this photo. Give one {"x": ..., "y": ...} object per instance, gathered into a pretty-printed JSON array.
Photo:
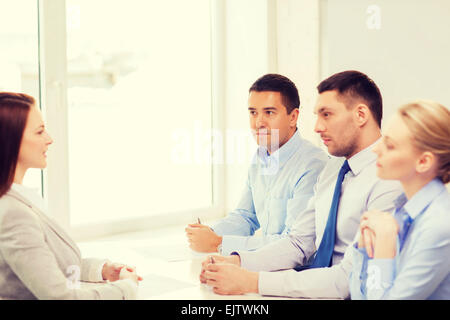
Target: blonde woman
[
  {"x": 406, "y": 255},
  {"x": 38, "y": 260}
]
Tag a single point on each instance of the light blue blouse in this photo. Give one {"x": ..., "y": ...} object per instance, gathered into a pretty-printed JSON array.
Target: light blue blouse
[{"x": 421, "y": 267}]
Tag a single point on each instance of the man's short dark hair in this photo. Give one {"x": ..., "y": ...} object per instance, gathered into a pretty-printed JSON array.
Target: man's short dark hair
[
  {"x": 355, "y": 85},
  {"x": 278, "y": 83}
]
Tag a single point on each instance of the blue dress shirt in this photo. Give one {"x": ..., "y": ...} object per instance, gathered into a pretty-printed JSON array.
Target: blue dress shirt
[
  {"x": 421, "y": 267},
  {"x": 278, "y": 188}
]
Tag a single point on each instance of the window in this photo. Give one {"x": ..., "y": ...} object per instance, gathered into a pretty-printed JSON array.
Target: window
[
  {"x": 127, "y": 92},
  {"x": 139, "y": 84}
]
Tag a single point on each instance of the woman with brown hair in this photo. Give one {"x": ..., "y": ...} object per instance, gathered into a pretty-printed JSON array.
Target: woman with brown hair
[
  {"x": 406, "y": 255},
  {"x": 38, "y": 260}
]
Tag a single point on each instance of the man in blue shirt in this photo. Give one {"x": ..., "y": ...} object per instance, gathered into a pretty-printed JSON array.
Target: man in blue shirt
[{"x": 280, "y": 179}]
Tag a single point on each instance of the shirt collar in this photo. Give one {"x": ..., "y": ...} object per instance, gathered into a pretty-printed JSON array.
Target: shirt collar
[
  {"x": 362, "y": 159},
  {"x": 282, "y": 154},
  {"x": 400, "y": 201},
  {"x": 420, "y": 201}
]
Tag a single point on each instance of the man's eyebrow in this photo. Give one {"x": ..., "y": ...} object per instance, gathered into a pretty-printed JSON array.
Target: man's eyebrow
[
  {"x": 265, "y": 108},
  {"x": 321, "y": 109}
]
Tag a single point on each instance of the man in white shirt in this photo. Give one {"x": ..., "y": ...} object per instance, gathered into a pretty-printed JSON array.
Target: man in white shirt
[{"x": 349, "y": 109}]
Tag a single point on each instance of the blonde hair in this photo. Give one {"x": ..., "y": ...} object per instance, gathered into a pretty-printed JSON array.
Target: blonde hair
[{"x": 429, "y": 123}]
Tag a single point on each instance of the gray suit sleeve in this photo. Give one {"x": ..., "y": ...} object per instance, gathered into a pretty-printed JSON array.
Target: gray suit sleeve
[
  {"x": 91, "y": 269},
  {"x": 24, "y": 249}
]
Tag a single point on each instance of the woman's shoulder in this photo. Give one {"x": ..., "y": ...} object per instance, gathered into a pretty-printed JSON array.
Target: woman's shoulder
[
  {"x": 13, "y": 199},
  {"x": 440, "y": 204},
  {"x": 441, "y": 207},
  {"x": 436, "y": 218},
  {"x": 13, "y": 207}
]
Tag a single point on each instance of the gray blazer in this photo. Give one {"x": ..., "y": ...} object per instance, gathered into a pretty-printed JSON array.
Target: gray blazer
[{"x": 38, "y": 260}]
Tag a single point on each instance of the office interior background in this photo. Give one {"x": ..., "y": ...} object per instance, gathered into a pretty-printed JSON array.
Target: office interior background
[{"x": 147, "y": 100}]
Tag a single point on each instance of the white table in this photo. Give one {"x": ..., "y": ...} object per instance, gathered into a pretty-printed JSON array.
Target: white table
[{"x": 170, "y": 269}]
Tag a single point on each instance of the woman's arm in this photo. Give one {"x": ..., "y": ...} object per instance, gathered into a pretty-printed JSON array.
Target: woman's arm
[{"x": 24, "y": 249}]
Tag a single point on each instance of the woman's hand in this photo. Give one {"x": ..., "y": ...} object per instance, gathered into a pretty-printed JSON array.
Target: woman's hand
[
  {"x": 118, "y": 271},
  {"x": 366, "y": 240},
  {"x": 111, "y": 271},
  {"x": 130, "y": 273},
  {"x": 378, "y": 234}
]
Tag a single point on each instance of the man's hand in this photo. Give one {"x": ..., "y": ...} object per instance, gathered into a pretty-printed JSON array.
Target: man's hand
[
  {"x": 234, "y": 259},
  {"x": 201, "y": 238},
  {"x": 230, "y": 279}
]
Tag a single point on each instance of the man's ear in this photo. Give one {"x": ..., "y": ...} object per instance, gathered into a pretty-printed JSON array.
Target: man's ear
[
  {"x": 362, "y": 114},
  {"x": 294, "y": 117}
]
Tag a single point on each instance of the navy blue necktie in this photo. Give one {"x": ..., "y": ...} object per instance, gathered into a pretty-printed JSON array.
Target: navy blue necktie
[{"x": 323, "y": 256}]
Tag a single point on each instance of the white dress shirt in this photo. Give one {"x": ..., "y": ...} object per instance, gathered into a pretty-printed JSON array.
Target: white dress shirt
[{"x": 361, "y": 191}]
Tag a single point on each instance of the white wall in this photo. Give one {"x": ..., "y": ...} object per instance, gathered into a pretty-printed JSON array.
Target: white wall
[
  {"x": 403, "y": 45},
  {"x": 246, "y": 59},
  {"x": 298, "y": 56},
  {"x": 405, "y": 51},
  {"x": 265, "y": 36}
]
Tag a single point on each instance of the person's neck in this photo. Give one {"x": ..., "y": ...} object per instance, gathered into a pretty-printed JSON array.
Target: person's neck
[
  {"x": 270, "y": 151},
  {"x": 413, "y": 185},
  {"x": 366, "y": 139},
  {"x": 19, "y": 174}
]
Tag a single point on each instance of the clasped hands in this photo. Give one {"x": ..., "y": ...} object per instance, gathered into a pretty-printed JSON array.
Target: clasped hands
[
  {"x": 117, "y": 271},
  {"x": 223, "y": 274},
  {"x": 378, "y": 234},
  {"x": 226, "y": 277}
]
